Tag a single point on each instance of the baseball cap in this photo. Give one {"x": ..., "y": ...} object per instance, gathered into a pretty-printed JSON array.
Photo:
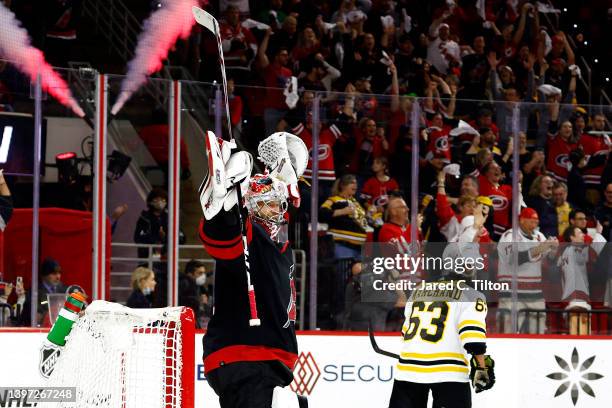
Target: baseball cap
[
  {"x": 529, "y": 214},
  {"x": 485, "y": 200}
]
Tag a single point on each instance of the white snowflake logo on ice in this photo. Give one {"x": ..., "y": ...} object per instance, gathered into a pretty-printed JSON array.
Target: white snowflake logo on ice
[{"x": 573, "y": 376}]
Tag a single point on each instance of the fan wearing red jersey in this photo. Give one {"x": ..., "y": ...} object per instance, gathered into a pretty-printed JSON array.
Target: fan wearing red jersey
[
  {"x": 596, "y": 146},
  {"x": 397, "y": 229},
  {"x": 437, "y": 137},
  {"x": 500, "y": 194},
  {"x": 375, "y": 190},
  {"x": 327, "y": 139},
  {"x": 560, "y": 145}
]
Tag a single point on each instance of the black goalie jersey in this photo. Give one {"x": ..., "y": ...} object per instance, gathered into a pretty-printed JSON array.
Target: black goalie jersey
[{"x": 229, "y": 338}]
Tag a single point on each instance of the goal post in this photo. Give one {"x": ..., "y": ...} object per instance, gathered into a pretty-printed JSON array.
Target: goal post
[{"x": 118, "y": 357}]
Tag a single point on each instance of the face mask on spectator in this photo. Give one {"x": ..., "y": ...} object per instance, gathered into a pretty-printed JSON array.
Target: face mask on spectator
[
  {"x": 201, "y": 280},
  {"x": 147, "y": 291}
]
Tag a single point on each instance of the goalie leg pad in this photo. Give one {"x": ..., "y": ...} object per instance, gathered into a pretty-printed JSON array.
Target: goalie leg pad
[
  {"x": 216, "y": 165},
  {"x": 225, "y": 171}
]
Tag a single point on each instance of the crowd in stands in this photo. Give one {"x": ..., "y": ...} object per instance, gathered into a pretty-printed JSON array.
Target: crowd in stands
[
  {"x": 472, "y": 77},
  {"x": 479, "y": 75}
]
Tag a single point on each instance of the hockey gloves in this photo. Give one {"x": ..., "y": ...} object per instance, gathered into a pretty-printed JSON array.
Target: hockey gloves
[{"x": 482, "y": 378}]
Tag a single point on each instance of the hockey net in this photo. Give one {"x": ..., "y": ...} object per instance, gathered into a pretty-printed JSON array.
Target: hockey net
[{"x": 119, "y": 357}]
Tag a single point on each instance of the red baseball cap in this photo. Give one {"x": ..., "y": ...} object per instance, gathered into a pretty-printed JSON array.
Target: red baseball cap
[{"x": 529, "y": 213}]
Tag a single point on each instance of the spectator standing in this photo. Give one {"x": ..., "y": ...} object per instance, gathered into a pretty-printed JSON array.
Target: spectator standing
[
  {"x": 596, "y": 147},
  {"x": 533, "y": 164},
  {"x": 239, "y": 44},
  {"x": 286, "y": 37},
  {"x": 396, "y": 228},
  {"x": 449, "y": 222},
  {"x": 578, "y": 218},
  {"x": 370, "y": 142},
  {"x": 576, "y": 185},
  {"x": 532, "y": 246},
  {"x": 307, "y": 46},
  {"x": 501, "y": 195},
  {"x": 152, "y": 226},
  {"x": 301, "y": 124},
  {"x": 603, "y": 213},
  {"x": 507, "y": 98},
  {"x": 375, "y": 190},
  {"x": 560, "y": 144},
  {"x": 319, "y": 74},
  {"x": 474, "y": 68},
  {"x": 275, "y": 74},
  {"x": 143, "y": 285},
  {"x": 540, "y": 199},
  {"x": 573, "y": 263},
  {"x": 346, "y": 218},
  {"x": 347, "y": 225},
  {"x": 561, "y": 205},
  {"x": 442, "y": 52}
]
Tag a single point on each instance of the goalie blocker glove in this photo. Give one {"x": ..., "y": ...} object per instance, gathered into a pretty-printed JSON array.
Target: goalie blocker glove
[{"x": 482, "y": 378}]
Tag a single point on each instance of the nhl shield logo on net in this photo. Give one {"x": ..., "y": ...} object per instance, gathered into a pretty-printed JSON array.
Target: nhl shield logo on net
[{"x": 48, "y": 358}]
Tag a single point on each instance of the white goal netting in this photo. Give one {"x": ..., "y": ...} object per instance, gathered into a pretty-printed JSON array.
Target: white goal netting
[{"x": 118, "y": 357}]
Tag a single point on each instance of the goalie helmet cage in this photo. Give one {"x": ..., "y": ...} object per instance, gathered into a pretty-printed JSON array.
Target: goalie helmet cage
[{"x": 118, "y": 357}]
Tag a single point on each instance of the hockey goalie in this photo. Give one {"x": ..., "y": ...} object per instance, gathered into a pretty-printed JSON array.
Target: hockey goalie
[{"x": 250, "y": 347}]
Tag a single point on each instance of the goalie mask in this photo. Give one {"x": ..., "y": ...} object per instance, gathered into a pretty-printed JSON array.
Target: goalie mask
[{"x": 266, "y": 202}]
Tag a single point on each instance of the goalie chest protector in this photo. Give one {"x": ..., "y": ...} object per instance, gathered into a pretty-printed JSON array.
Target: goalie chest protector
[{"x": 229, "y": 338}]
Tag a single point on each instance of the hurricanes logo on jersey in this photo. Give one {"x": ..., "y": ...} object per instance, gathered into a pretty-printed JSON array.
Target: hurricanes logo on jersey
[
  {"x": 323, "y": 152},
  {"x": 499, "y": 202},
  {"x": 562, "y": 160},
  {"x": 442, "y": 144},
  {"x": 291, "y": 307}
]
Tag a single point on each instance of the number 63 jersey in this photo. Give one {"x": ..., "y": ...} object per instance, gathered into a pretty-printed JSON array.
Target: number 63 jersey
[{"x": 442, "y": 329}]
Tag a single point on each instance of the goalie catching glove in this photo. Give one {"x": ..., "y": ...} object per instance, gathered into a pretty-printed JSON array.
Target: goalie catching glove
[
  {"x": 225, "y": 171},
  {"x": 482, "y": 378},
  {"x": 286, "y": 157}
]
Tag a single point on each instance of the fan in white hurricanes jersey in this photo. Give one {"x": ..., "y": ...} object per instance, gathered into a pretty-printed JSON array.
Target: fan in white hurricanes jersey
[
  {"x": 573, "y": 264},
  {"x": 443, "y": 328},
  {"x": 532, "y": 247}
]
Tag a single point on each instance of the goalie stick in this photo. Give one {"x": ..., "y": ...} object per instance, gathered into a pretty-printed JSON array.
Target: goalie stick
[
  {"x": 375, "y": 345},
  {"x": 206, "y": 20}
]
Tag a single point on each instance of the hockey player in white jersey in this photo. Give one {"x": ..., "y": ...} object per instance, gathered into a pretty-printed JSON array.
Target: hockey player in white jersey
[{"x": 444, "y": 343}]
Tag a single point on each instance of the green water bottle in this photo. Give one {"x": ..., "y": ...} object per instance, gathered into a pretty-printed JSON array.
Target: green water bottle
[{"x": 66, "y": 318}]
